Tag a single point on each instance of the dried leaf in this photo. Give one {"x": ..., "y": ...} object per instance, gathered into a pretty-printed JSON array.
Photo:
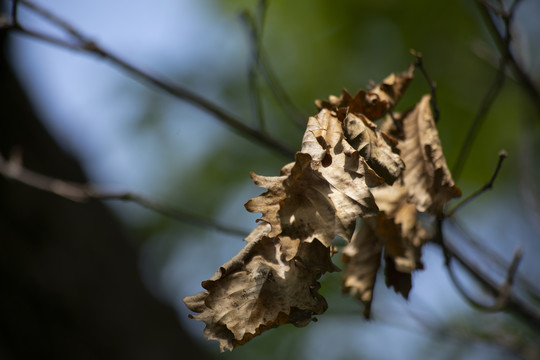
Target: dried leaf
[
  {"x": 347, "y": 168},
  {"x": 364, "y": 137},
  {"x": 373, "y": 104},
  {"x": 320, "y": 195},
  {"x": 401, "y": 228},
  {"x": 409, "y": 207},
  {"x": 391, "y": 89},
  {"x": 399, "y": 280},
  {"x": 258, "y": 289},
  {"x": 427, "y": 178},
  {"x": 362, "y": 258}
]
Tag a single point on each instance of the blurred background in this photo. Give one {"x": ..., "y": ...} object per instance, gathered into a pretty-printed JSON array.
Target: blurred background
[{"x": 106, "y": 280}]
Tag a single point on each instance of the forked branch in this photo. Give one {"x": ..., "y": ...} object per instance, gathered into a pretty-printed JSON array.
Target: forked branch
[
  {"x": 487, "y": 186},
  {"x": 490, "y": 12}
]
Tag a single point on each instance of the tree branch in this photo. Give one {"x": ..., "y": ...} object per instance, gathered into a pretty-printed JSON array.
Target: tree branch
[
  {"x": 502, "y": 293},
  {"x": 419, "y": 64},
  {"x": 86, "y": 45},
  {"x": 493, "y": 91},
  {"x": 478, "y": 121},
  {"x": 14, "y": 11},
  {"x": 504, "y": 47},
  {"x": 487, "y": 186},
  {"x": 255, "y": 26},
  {"x": 505, "y": 298},
  {"x": 254, "y": 35},
  {"x": 13, "y": 169}
]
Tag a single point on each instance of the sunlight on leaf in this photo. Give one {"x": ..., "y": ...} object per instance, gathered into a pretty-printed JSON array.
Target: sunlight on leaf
[{"x": 394, "y": 177}]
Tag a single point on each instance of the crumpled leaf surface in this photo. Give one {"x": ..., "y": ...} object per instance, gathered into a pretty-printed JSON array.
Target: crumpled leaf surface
[
  {"x": 408, "y": 208},
  {"x": 373, "y": 104},
  {"x": 347, "y": 168},
  {"x": 258, "y": 290},
  {"x": 362, "y": 258},
  {"x": 427, "y": 179},
  {"x": 373, "y": 147},
  {"x": 357, "y": 114},
  {"x": 320, "y": 195}
]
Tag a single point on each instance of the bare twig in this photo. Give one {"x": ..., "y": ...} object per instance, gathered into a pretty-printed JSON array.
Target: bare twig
[
  {"x": 53, "y": 19},
  {"x": 13, "y": 169},
  {"x": 86, "y": 45},
  {"x": 528, "y": 84},
  {"x": 496, "y": 10},
  {"x": 419, "y": 64},
  {"x": 478, "y": 120},
  {"x": 502, "y": 293},
  {"x": 528, "y": 184},
  {"x": 397, "y": 123},
  {"x": 14, "y": 11},
  {"x": 255, "y": 26},
  {"x": 283, "y": 98},
  {"x": 493, "y": 91},
  {"x": 487, "y": 186},
  {"x": 507, "y": 298},
  {"x": 491, "y": 256},
  {"x": 254, "y": 33}
]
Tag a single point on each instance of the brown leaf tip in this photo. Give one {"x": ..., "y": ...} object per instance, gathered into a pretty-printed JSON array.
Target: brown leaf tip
[{"x": 374, "y": 103}]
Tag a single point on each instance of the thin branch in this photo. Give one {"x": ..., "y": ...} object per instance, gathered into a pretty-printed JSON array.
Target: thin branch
[
  {"x": 496, "y": 10},
  {"x": 528, "y": 286},
  {"x": 283, "y": 98},
  {"x": 528, "y": 182},
  {"x": 528, "y": 84},
  {"x": 419, "y": 64},
  {"x": 397, "y": 124},
  {"x": 255, "y": 27},
  {"x": 52, "y": 18},
  {"x": 478, "y": 121},
  {"x": 487, "y": 186},
  {"x": 502, "y": 293},
  {"x": 527, "y": 312},
  {"x": 14, "y": 11},
  {"x": 493, "y": 91},
  {"x": 86, "y": 45},
  {"x": 13, "y": 169},
  {"x": 173, "y": 213},
  {"x": 46, "y": 38},
  {"x": 254, "y": 35}
]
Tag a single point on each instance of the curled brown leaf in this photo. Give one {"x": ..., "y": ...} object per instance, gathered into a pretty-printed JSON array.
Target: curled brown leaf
[
  {"x": 362, "y": 258},
  {"x": 347, "y": 168},
  {"x": 320, "y": 195},
  {"x": 259, "y": 289},
  {"x": 427, "y": 179},
  {"x": 373, "y": 104}
]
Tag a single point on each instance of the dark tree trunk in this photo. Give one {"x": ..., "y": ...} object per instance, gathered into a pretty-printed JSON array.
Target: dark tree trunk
[{"x": 69, "y": 282}]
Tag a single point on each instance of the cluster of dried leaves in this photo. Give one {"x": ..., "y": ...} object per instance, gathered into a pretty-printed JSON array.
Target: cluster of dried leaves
[{"x": 393, "y": 176}]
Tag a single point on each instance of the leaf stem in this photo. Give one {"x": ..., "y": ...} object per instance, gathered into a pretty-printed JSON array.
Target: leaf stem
[{"x": 419, "y": 64}]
